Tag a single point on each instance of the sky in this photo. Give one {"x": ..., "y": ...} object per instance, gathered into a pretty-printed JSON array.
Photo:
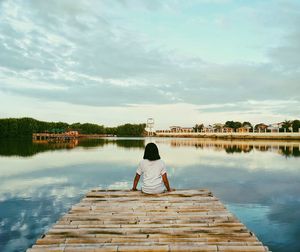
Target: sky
[{"x": 122, "y": 61}]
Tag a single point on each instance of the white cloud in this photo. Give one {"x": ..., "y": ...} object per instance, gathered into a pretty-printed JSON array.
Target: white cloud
[
  {"x": 26, "y": 188},
  {"x": 97, "y": 55},
  {"x": 120, "y": 185}
]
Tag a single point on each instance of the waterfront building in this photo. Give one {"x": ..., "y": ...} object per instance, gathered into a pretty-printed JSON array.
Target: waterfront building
[
  {"x": 261, "y": 127},
  {"x": 275, "y": 127},
  {"x": 175, "y": 128},
  {"x": 208, "y": 129},
  {"x": 72, "y": 133},
  {"x": 244, "y": 129},
  {"x": 227, "y": 130},
  {"x": 179, "y": 129}
]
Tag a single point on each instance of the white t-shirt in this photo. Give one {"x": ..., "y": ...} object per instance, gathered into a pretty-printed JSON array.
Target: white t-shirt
[{"x": 152, "y": 172}]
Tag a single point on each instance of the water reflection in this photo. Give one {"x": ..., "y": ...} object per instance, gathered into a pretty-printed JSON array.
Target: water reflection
[
  {"x": 119, "y": 142},
  {"x": 27, "y": 147},
  {"x": 285, "y": 148},
  {"x": 254, "y": 179}
]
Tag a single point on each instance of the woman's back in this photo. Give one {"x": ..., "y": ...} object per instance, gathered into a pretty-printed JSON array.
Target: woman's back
[{"x": 152, "y": 172}]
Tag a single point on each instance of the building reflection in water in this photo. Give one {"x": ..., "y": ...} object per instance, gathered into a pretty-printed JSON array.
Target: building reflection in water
[
  {"x": 259, "y": 186},
  {"x": 285, "y": 148},
  {"x": 69, "y": 144},
  {"x": 30, "y": 148},
  {"x": 92, "y": 142}
]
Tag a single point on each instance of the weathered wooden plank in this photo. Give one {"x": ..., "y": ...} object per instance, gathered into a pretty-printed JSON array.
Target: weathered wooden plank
[
  {"x": 191, "y": 247},
  {"x": 184, "y": 220},
  {"x": 147, "y": 248}
]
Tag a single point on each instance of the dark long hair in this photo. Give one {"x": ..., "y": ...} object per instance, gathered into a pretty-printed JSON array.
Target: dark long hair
[{"x": 151, "y": 152}]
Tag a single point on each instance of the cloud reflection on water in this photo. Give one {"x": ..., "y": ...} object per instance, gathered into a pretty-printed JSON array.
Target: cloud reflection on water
[{"x": 260, "y": 187}]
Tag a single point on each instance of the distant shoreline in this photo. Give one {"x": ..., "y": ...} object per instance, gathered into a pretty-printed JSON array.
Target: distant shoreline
[{"x": 269, "y": 136}]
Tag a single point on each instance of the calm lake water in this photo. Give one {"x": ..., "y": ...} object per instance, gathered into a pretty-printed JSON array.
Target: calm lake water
[{"x": 258, "y": 181}]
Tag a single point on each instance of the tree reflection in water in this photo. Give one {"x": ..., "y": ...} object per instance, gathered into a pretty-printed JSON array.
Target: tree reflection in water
[
  {"x": 285, "y": 148},
  {"x": 257, "y": 180},
  {"x": 26, "y": 147}
]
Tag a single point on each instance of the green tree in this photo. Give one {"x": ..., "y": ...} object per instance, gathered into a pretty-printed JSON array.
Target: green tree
[
  {"x": 218, "y": 126},
  {"x": 296, "y": 125},
  {"x": 131, "y": 129},
  {"x": 111, "y": 130},
  {"x": 198, "y": 127},
  {"x": 24, "y": 127},
  {"x": 229, "y": 124},
  {"x": 89, "y": 128},
  {"x": 245, "y": 124},
  {"x": 232, "y": 124},
  {"x": 287, "y": 125}
]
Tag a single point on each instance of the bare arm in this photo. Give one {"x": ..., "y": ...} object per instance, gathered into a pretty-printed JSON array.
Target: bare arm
[
  {"x": 136, "y": 181},
  {"x": 166, "y": 182}
]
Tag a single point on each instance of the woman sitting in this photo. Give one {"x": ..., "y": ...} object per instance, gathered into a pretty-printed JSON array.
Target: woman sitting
[{"x": 153, "y": 170}]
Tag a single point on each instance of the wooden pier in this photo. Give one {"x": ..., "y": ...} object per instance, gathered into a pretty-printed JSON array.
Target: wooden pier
[
  {"x": 183, "y": 220},
  {"x": 53, "y": 136},
  {"x": 65, "y": 136}
]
